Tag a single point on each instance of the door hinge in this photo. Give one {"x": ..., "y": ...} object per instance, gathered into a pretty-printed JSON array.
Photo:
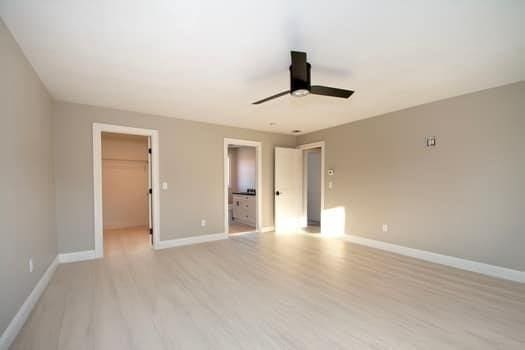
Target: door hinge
[
  {"x": 149, "y": 150},
  {"x": 150, "y": 191},
  {"x": 150, "y": 231}
]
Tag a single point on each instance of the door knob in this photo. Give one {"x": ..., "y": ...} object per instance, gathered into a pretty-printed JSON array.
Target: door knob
[{"x": 277, "y": 193}]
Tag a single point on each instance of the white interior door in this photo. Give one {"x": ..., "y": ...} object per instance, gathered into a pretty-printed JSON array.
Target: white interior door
[
  {"x": 150, "y": 192},
  {"x": 288, "y": 192}
]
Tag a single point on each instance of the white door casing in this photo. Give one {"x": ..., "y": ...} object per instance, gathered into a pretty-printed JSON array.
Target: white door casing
[
  {"x": 306, "y": 147},
  {"x": 288, "y": 192},
  {"x": 98, "y": 128},
  {"x": 258, "y": 179}
]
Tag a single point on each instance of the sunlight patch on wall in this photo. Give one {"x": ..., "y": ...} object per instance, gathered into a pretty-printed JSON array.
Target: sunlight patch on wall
[{"x": 333, "y": 222}]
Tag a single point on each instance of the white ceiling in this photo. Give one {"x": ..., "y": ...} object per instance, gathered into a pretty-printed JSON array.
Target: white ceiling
[{"x": 208, "y": 60}]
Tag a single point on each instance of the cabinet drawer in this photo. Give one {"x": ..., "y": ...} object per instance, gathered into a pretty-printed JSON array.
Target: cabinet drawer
[
  {"x": 250, "y": 216},
  {"x": 238, "y": 200},
  {"x": 244, "y": 209},
  {"x": 238, "y": 209}
]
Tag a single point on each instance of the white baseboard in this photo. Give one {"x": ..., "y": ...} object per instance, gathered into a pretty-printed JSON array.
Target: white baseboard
[
  {"x": 268, "y": 229},
  {"x": 191, "y": 240},
  {"x": 464, "y": 264},
  {"x": 76, "y": 256},
  {"x": 21, "y": 316}
]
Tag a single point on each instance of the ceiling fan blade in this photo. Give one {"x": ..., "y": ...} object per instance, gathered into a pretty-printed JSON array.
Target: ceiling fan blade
[
  {"x": 271, "y": 97},
  {"x": 299, "y": 65},
  {"x": 330, "y": 91}
]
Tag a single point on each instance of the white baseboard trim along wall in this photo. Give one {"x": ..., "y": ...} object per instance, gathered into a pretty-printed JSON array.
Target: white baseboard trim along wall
[
  {"x": 76, "y": 256},
  {"x": 268, "y": 229},
  {"x": 191, "y": 240},
  {"x": 23, "y": 313},
  {"x": 464, "y": 264}
]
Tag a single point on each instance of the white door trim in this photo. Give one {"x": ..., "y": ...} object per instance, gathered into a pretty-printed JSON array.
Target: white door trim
[
  {"x": 258, "y": 180},
  {"x": 305, "y": 147},
  {"x": 98, "y": 128}
]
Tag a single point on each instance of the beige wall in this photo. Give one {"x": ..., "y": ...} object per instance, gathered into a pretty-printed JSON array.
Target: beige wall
[
  {"x": 191, "y": 161},
  {"x": 125, "y": 180},
  {"x": 27, "y": 189},
  {"x": 464, "y": 198},
  {"x": 246, "y": 168}
]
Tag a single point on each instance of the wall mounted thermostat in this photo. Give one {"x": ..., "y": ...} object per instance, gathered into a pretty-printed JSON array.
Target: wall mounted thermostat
[
  {"x": 431, "y": 141},
  {"x": 330, "y": 172}
]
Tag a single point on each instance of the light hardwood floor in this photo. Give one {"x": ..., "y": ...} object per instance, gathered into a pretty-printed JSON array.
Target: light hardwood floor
[
  {"x": 236, "y": 227},
  {"x": 264, "y": 291}
]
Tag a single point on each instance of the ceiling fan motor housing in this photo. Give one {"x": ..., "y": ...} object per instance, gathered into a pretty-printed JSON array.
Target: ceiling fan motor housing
[
  {"x": 300, "y": 77},
  {"x": 300, "y": 83}
]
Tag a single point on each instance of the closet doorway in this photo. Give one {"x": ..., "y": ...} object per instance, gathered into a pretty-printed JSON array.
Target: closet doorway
[
  {"x": 126, "y": 201},
  {"x": 126, "y": 191}
]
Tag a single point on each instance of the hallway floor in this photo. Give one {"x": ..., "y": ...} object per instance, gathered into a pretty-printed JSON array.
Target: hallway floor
[{"x": 236, "y": 227}]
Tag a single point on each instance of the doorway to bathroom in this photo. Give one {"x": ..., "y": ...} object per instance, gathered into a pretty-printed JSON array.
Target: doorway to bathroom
[{"x": 242, "y": 175}]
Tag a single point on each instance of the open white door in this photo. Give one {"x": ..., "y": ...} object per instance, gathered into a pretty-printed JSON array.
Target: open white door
[
  {"x": 288, "y": 189},
  {"x": 150, "y": 193}
]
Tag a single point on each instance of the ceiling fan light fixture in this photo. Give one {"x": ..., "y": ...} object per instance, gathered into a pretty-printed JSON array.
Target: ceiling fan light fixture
[
  {"x": 300, "y": 92},
  {"x": 300, "y": 83}
]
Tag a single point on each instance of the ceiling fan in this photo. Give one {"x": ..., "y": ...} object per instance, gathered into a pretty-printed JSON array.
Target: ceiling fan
[{"x": 300, "y": 84}]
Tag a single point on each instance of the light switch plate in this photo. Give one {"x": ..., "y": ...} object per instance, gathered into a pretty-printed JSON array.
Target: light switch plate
[{"x": 164, "y": 185}]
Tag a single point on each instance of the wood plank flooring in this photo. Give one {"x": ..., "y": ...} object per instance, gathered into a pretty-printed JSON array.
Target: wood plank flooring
[
  {"x": 237, "y": 227},
  {"x": 265, "y": 291}
]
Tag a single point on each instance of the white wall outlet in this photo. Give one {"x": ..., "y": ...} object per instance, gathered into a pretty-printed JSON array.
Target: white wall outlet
[
  {"x": 385, "y": 228},
  {"x": 164, "y": 186},
  {"x": 203, "y": 222},
  {"x": 330, "y": 184},
  {"x": 30, "y": 264}
]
